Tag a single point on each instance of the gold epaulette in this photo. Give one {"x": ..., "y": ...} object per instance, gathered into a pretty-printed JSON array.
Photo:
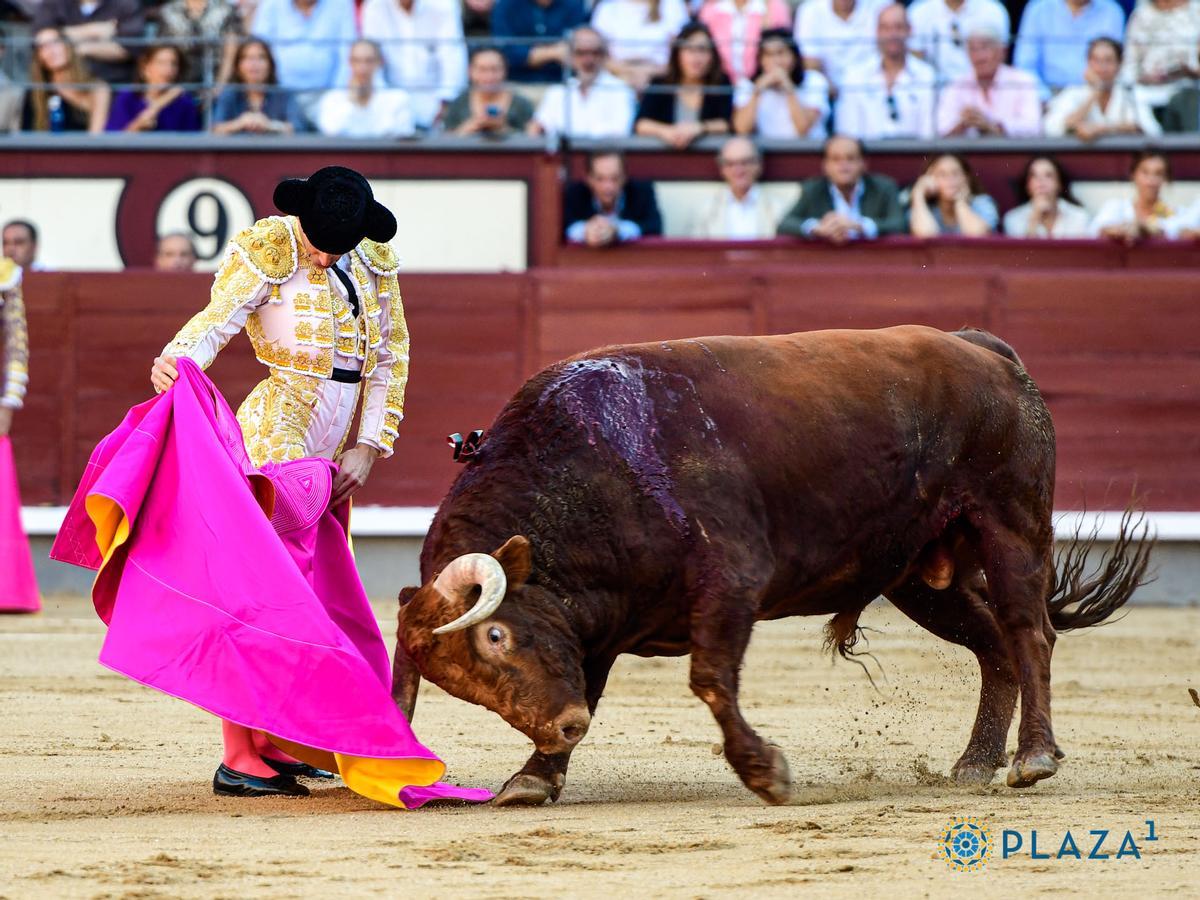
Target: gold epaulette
[
  {"x": 379, "y": 258},
  {"x": 10, "y": 274},
  {"x": 269, "y": 248}
]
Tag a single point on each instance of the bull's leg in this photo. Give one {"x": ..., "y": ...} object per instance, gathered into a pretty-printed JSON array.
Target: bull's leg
[
  {"x": 721, "y": 622},
  {"x": 543, "y": 776},
  {"x": 958, "y": 615},
  {"x": 1018, "y": 571}
]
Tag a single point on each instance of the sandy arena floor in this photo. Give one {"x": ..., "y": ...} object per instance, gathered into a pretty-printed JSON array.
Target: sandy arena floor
[{"x": 104, "y": 784}]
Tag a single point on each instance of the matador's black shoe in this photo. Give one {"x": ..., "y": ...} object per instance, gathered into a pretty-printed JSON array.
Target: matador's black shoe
[
  {"x": 297, "y": 769},
  {"x": 228, "y": 783}
]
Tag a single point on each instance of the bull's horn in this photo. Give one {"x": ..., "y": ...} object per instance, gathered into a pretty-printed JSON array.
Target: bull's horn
[{"x": 465, "y": 573}]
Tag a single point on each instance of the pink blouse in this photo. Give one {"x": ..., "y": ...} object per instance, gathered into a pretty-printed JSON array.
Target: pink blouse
[{"x": 736, "y": 32}]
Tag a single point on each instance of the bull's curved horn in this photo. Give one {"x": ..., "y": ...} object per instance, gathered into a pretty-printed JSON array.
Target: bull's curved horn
[{"x": 465, "y": 573}]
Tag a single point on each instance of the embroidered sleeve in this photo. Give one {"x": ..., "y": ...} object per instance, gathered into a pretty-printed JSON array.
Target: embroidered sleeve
[
  {"x": 15, "y": 375},
  {"x": 383, "y": 407}
]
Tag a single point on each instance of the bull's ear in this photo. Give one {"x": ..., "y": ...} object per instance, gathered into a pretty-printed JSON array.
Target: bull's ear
[
  {"x": 516, "y": 558},
  {"x": 406, "y": 595}
]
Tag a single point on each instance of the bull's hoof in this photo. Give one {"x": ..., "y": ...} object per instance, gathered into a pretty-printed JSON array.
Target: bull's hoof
[
  {"x": 776, "y": 788},
  {"x": 1027, "y": 771},
  {"x": 977, "y": 767},
  {"x": 1058, "y": 752},
  {"x": 526, "y": 790}
]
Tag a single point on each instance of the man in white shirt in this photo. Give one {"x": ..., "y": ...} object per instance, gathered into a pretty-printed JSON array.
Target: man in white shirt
[
  {"x": 836, "y": 35},
  {"x": 593, "y": 103},
  {"x": 940, "y": 30},
  {"x": 423, "y": 50},
  {"x": 740, "y": 210},
  {"x": 893, "y": 95},
  {"x": 993, "y": 99},
  {"x": 363, "y": 109}
]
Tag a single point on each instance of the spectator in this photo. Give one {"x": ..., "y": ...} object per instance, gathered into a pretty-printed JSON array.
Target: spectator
[
  {"x": 736, "y": 26},
  {"x": 253, "y": 102},
  {"x": 593, "y": 103},
  {"x": 784, "y": 101},
  {"x": 175, "y": 253},
  {"x": 1145, "y": 215},
  {"x": 424, "y": 51},
  {"x": 693, "y": 98},
  {"x": 995, "y": 100},
  {"x": 1054, "y": 37},
  {"x": 62, "y": 96},
  {"x": 1182, "y": 114},
  {"x": 837, "y": 35},
  {"x": 639, "y": 35},
  {"x": 948, "y": 199},
  {"x": 607, "y": 208},
  {"x": 741, "y": 210},
  {"x": 891, "y": 96},
  {"x": 847, "y": 202},
  {"x": 1161, "y": 48},
  {"x": 365, "y": 109},
  {"x": 487, "y": 107},
  {"x": 310, "y": 40},
  {"x": 1048, "y": 210},
  {"x": 544, "y": 21},
  {"x": 1101, "y": 106},
  {"x": 205, "y": 30},
  {"x": 941, "y": 29},
  {"x": 477, "y": 17},
  {"x": 20, "y": 241},
  {"x": 94, "y": 28},
  {"x": 12, "y": 96},
  {"x": 161, "y": 105}
]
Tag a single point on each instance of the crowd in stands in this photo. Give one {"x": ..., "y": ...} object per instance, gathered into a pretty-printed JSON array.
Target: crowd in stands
[
  {"x": 668, "y": 69},
  {"x": 849, "y": 203}
]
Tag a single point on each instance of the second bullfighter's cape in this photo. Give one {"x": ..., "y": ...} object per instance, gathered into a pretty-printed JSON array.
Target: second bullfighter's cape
[{"x": 235, "y": 589}]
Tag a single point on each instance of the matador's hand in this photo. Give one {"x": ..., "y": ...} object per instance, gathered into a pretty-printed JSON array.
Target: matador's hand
[
  {"x": 164, "y": 373},
  {"x": 6, "y": 417},
  {"x": 353, "y": 468}
]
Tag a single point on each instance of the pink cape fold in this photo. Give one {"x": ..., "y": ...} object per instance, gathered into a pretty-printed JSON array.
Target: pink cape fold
[
  {"x": 262, "y": 621},
  {"x": 18, "y": 584}
]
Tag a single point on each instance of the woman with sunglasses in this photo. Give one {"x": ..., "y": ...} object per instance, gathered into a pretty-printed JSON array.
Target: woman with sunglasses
[{"x": 693, "y": 99}]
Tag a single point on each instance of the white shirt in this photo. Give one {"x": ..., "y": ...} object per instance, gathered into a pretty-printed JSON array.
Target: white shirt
[
  {"x": 940, "y": 34},
  {"x": 423, "y": 51},
  {"x": 387, "y": 114},
  {"x": 773, "y": 117},
  {"x": 741, "y": 216},
  {"x": 606, "y": 110},
  {"x": 631, "y": 35},
  {"x": 1124, "y": 107},
  {"x": 864, "y": 111},
  {"x": 1120, "y": 211},
  {"x": 1071, "y": 222},
  {"x": 839, "y": 43}
]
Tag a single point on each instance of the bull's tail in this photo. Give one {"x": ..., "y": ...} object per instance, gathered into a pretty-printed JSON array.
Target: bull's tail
[
  {"x": 988, "y": 341},
  {"x": 1080, "y": 599}
]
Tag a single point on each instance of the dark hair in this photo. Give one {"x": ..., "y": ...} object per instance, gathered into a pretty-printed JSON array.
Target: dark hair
[
  {"x": 476, "y": 49},
  {"x": 1116, "y": 46},
  {"x": 601, "y": 154},
  {"x": 1021, "y": 188},
  {"x": 714, "y": 75},
  {"x": 973, "y": 182},
  {"x": 22, "y": 223},
  {"x": 153, "y": 50},
  {"x": 236, "y": 77},
  {"x": 783, "y": 35},
  {"x": 862, "y": 151},
  {"x": 1142, "y": 155}
]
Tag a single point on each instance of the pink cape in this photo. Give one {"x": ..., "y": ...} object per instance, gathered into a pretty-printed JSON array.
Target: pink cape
[
  {"x": 18, "y": 585},
  {"x": 261, "y": 621}
]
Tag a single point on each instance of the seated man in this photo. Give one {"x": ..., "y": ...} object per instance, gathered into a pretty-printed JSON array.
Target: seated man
[
  {"x": 740, "y": 210},
  {"x": 364, "y": 108},
  {"x": 175, "y": 253},
  {"x": 606, "y": 208},
  {"x": 994, "y": 99},
  {"x": 532, "y": 34},
  {"x": 593, "y": 103},
  {"x": 847, "y": 202},
  {"x": 1054, "y": 36},
  {"x": 95, "y": 30}
]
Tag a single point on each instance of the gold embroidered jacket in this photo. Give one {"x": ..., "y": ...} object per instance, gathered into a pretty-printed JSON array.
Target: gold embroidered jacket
[
  {"x": 267, "y": 284},
  {"x": 15, "y": 375}
]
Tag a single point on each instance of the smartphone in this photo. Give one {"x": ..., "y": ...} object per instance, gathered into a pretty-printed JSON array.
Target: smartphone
[{"x": 492, "y": 110}]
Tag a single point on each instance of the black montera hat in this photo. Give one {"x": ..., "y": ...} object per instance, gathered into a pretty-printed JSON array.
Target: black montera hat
[{"x": 336, "y": 209}]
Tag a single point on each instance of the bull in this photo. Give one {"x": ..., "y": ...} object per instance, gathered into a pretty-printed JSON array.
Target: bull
[{"x": 659, "y": 499}]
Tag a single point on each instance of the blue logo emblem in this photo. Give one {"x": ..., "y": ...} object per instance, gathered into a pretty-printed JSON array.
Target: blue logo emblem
[{"x": 965, "y": 845}]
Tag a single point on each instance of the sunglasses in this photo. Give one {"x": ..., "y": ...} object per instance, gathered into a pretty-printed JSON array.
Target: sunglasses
[{"x": 892, "y": 108}]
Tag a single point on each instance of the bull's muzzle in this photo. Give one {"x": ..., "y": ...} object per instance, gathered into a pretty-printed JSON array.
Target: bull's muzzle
[{"x": 565, "y": 731}]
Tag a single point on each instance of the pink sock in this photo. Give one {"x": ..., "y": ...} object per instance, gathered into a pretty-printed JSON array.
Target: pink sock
[
  {"x": 240, "y": 753},
  {"x": 264, "y": 747}
]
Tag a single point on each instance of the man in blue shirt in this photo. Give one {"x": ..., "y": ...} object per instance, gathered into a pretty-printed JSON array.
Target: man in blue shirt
[
  {"x": 1054, "y": 35},
  {"x": 544, "y": 21},
  {"x": 310, "y": 40}
]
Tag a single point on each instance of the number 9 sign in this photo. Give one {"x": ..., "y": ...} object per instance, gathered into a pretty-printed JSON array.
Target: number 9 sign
[{"x": 209, "y": 211}]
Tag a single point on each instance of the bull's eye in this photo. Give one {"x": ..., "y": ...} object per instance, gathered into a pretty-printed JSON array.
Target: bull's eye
[{"x": 495, "y": 635}]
